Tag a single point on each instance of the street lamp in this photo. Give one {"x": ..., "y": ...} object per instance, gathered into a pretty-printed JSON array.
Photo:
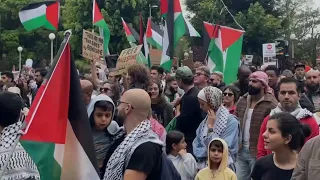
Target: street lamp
[
  {"x": 20, "y": 50},
  {"x": 292, "y": 38},
  {"x": 52, "y": 37},
  {"x": 150, "y": 7}
]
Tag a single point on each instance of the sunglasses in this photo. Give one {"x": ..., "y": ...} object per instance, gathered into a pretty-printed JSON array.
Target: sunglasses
[{"x": 227, "y": 94}]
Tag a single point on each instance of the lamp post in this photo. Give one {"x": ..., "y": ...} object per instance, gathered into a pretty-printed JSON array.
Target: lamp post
[
  {"x": 52, "y": 37},
  {"x": 20, "y": 50},
  {"x": 150, "y": 7},
  {"x": 292, "y": 38}
]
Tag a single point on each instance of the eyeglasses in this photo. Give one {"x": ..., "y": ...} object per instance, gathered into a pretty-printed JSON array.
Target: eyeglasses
[
  {"x": 121, "y": 102},
  {"x": 227, "y": 94}
]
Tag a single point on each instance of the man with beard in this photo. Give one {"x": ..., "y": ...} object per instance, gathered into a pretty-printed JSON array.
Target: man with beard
[
  {"x": 216, "y": 80},
  {"x": 243, "y": 79},
  {"x": 39, "y": 75},
  {"x": 289, "y": 95},
  {"x": 171, "y": 90},
  {"x": 312, "y": 87},
  {"x": 139, "y": 155},
  {"x": 251, "y": 109},
  {"x": 273, "y": 74}
]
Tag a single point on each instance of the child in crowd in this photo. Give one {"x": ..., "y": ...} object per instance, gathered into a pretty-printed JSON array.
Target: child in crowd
[
  {"x": 184, "y": 162},
  {"x": 217, "y": 163},
  {"x": 105, "y": 131}
]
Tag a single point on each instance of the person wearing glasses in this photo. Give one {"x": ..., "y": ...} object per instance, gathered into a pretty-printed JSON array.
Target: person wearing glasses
[
  {"x": 202, "y": 77},
  {"x": 230, "y": 98},
  {"x": 219, "y": 123},
  {"x": 111, "y": 89},
  {"x": 216, "y": 80}
]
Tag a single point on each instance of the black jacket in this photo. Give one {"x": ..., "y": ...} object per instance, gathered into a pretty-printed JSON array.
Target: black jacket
[{"x": 190, "y": 117}]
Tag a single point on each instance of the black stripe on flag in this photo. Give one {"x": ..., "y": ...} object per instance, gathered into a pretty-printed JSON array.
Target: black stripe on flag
[{"x": 36, "y": 5}]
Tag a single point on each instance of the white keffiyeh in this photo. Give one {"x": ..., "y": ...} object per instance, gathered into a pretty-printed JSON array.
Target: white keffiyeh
[
  {"x": 121, "y": 156},
  {"x": 20, "y": 164}
]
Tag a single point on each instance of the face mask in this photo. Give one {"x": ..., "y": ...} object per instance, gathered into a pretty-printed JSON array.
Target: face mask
[
  {"x": 173, "y": 90},
  {"x": 253, "y": 90},
  {"x": 33, "y": 85}
]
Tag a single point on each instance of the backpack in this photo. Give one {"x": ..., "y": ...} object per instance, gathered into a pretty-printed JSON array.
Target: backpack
[{"x": 168, "y": 171}]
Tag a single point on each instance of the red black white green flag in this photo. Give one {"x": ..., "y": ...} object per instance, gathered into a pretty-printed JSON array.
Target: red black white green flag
[
  {"x": 41, "y": 14},
  {"x": 58, "y": 135}
]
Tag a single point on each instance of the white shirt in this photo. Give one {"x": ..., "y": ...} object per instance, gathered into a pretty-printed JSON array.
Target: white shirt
[{"x": 246, "y": 134}]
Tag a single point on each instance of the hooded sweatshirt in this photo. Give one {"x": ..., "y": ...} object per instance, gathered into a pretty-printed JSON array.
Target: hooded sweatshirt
[
  {"x": 186, "y": 165},
  {"x": 303, "y": 115},
  {"x": 102, "y": 140},
  {"x": 223, "y": 172}
]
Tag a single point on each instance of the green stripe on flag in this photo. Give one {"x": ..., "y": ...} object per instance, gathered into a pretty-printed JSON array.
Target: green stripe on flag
[
  {"x": 35, "y": 23},
  {"x": 42, "y": 154},
  {"x": 131, "y": 39},
  {"x": 154, "y": 43},
  {"x": 179, "y": 29},
  {"x": 167, "y": 65},
  {"x": 106, "y": 34},
  {"x": 233, "y": 61}
]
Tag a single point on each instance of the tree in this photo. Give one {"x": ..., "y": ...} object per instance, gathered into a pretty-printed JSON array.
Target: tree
[{"x": 260, "y": 28}]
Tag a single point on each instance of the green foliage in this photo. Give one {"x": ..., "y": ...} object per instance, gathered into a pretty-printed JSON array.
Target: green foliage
[{"x": 260, "y": 28}]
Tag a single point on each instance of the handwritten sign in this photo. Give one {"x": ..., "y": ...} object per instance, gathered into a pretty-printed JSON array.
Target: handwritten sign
[
  {"x": 127, "y": 58},
  {"x": 92, "y": 45}
]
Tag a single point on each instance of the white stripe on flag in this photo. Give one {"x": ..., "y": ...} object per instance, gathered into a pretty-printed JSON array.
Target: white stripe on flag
[
  {"x": 165, "y": 57},
  {"x": 76, "y": 164},
  {"x": 29, "y": 14},
  {"x": 157, "y": 37},
  {"x": 192, "y": 30}
]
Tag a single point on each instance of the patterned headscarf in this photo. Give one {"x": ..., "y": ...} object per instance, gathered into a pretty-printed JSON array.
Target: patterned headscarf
[
  {"x": 211, "y": 95},
  {"x": 263, "y": 78}
]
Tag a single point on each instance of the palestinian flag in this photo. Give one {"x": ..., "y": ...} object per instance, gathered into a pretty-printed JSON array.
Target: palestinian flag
[
  {"x": 98, "y": 20},
  {"x": 131, "y": 34},
  {"x": 58, "y": 136},
  {"x": 176, "y": 26},
  {"x": 164, "y": 8},
  {"x": 146, "y": 50},
  {"x": 223, "y": 50},
  {"x": 41, "y": 14},
  {"x": 154, "y": 34}
]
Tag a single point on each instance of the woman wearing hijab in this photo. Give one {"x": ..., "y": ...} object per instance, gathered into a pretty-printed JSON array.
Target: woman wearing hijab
[{"x": 219, "y": 123}]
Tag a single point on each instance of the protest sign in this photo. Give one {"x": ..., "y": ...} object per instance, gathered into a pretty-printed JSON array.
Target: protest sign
[
  {"x": 127, "y": 58},
  {"x": 269, "y": 54},
  {"x": 155, "y": 56},
  {"x": 92, "y": 45}
]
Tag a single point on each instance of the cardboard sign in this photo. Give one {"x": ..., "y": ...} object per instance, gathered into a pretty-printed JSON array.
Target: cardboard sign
[
  {"x": 155, "y": 56},
  {"x": 127, "y": 58},
  {"x": 92, "y": 45}
]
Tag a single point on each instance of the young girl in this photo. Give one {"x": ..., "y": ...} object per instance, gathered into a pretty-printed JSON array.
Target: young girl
[
  {"x": 284, "y": 136},
  {"x": 184, "y": 162},
  {"x": 217, "y": 168},
  {"x": 104, "y": 130}
]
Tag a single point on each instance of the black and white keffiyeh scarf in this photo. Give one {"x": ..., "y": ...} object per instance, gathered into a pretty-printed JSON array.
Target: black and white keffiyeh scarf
[
  {"x": 20, "y": 164},
  {"x": 121, "y": 156}
]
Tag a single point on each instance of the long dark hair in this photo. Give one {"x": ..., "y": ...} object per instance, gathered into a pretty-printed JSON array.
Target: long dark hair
[
  {"x": 115, "y": 88},
  {"x": 162, "y": 100},
  {"x": 234, "y": 90},
  {"x": 173, "y": 137},
  {"x": 290, "y": 125}
]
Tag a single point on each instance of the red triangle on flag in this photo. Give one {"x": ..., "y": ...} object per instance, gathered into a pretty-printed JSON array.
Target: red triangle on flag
[
  {"x": 177, "y": 6},
  {"x": 52, "y": 14},
  {"x": 229, "y": 36},
  {"x": 97, "y": 16},
  {"x": 212, "y": 30},
  {"x": 149, "y": 29},
  {"x": 126, "y": 28}
]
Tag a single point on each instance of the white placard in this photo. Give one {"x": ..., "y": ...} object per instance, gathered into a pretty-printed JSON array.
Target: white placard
[{"x": 269, "y": 54}]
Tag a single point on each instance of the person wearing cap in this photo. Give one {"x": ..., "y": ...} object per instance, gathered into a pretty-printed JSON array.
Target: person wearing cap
[
  {"x": 251, "y": 109},
  {"x": 190, "y": 113},
  {"x": 216, "y": 80},
  {"x": 202, "y": 77},
  {"x": 20, "y": 165},
  {"x": 299, "y": 69}
]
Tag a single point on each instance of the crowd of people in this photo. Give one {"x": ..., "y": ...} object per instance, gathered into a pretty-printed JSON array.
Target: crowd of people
[{"x": 263, "y": 126}]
